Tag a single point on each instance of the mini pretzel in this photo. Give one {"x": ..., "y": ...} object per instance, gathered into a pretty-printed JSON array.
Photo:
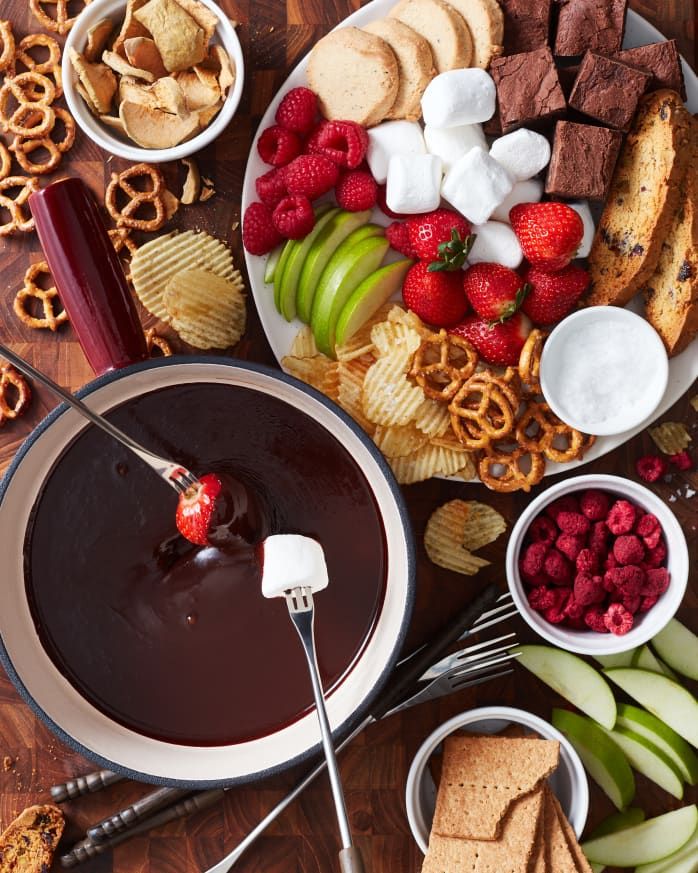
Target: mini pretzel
[
  {"x": 483, "y": 410},
  {"x": 19, "y": 222},
  {"x": 30, "y": 87},
  {"x": 529, "y": 360},
  {"x": 540, "y": 430},
  {"x": 62, "y": 22},
  {"x": 7, "y": 42},
  {"x": 154, "y": 341},
  {"x": 31, "y": 118},
  {"x": 22, "y": 147},
  {"x": 121, "y": 239},
  {"x": 50, "y": 67},
  {"x": 512, "y": 476},
  {"x": 126, "y": 217},
  {"x": 442, "y": 363},
  {"x": 48, "y": 297},
  {"x": 5, "y": 161},
  {"x": 11, "y": 380}
]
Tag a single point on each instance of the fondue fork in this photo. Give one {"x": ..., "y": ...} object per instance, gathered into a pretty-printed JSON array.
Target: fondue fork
[{"x": 177, "y": 476}]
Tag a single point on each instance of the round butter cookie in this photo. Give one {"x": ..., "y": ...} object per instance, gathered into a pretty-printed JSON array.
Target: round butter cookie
[
  {"x": 443, "y": 28},
  {"x": 485, "y": 21}
]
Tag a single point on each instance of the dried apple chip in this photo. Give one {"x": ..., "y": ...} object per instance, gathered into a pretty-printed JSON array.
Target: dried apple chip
[
  {"x": 180, "y": 40},
  {"x": 226, "y": 71},
  {"x": 154, "y": 129},
  {"x": 97, "y": 80},
  {"x": 97, "y": 38},
  {"x": 124, "y": 68},
  {"x": 202, "y": 15},
  {"x": 141, "y": 52}
]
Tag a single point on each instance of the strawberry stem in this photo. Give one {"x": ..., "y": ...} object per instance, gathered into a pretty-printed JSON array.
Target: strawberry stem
[{"x": 453, "y": 253}]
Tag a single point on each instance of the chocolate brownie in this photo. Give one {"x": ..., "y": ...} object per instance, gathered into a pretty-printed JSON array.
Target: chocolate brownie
[
  {"x": 662, "y": 60},
  {"x": 583, "y": 161},
  {"x": 528, "y": 89},
  {"x": 608, "y": 90},
  {"x": 597, "y": 25},
  {"x": 526, "y": 25}
]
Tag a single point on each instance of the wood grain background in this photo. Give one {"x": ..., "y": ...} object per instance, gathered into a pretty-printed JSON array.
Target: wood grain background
[{"x": 275, "y": 36}]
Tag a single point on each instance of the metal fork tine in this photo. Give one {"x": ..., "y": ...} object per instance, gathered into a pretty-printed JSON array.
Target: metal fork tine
[
  {"x": 468, "y": 654},
  {"x": 479, "y": 680},
  {"x": 482, "y": 664},
  {"x": 511, "y": 612}
]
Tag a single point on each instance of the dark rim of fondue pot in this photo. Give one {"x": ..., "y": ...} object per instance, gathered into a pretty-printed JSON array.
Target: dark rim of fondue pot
[{"x": 358, "y": 714}]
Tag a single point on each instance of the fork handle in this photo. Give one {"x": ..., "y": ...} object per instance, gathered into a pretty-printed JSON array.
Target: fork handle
[{"x": 350, "y": 861}]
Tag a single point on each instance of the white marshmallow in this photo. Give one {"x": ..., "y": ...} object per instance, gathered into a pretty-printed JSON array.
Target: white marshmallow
[
  {"x": 292, "y": 561},
  {"x": 459, "y": 97},
  {"x": 413, "y": 183},
  {"x": 523, "y": 153},
  {"x": 476, "y": 185},
  {"x": 523, "y": 192},
  {"x": 496, "y": 243},
  {"x": 582, "y": 207},
  {"x": 451, "y": 143},
  {"x": 392, "y": 138}
]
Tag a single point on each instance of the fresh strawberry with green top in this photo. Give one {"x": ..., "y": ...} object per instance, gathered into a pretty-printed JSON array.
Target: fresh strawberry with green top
[
  {"x": 495, "y": 292},
  {"x": 442, "y": 237},
  {"x": 436, "y": 298},
  {"x": 498, "y": 342},
  {"x": 552, "y": 296},
  {"x": 196, "y": 507},
  {"x": 550, "y": 233}
]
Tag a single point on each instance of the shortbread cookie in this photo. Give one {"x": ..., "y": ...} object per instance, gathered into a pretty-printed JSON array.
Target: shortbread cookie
[
  {"x": 415, "y": 65},
  {"x": 355, "y": 76},
  {"x": 28, "y": 844},
  {"x": 443, "y": 28},
  {"x": 485, "y": 21}
]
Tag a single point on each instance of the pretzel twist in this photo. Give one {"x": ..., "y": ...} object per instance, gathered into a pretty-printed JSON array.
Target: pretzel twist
[
  {"x": 31, "y": 118},
  {"x": 5, "y": 161},
  {"x": 50, "y": 67},
  {"x": 47, "y": 297},
  {"x": 483, "y": 410},
  {"x": 12, "y": 381},
  {"x": 127, "y": 217},
  {"x": 19, "y": 222},
  {"x": 540, "y": 430},
  {"x": 62, "y": 22},
  {"x": 7, "y": 46},
  {"x": 442, "y": 363},
  {"x": 155, "y": 341},
  {"x": 529, "y": 360},
  {"x": 23, "y": 147},
  {"x": 503, "y": 471}
]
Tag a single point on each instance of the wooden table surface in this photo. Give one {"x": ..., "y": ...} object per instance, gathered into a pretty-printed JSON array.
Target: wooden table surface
[{"x": 275, "y": 36}]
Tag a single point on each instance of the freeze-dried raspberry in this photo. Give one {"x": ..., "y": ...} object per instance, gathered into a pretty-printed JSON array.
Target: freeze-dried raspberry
[
  {"x": 611, "y": 562},
  {"x": 648, "y": 602},
  {"x": 655, "y": 557},
  {"x": 682, "y": 461},
  {"x": 632, "y": 602},
  {"x": 573, "y": 608},
  {"x": 587, "y": 561},
  {"x": 618, "y": 620},
  {"x": 651, "y": 468},
  {"x": 628, "y": 549},
  {"x": 649, "y": 528},
  {"x": 630, "y": 579},
  {"x": 598, "y": 538},
  {"x": 588, "y": 589},
  {"x": 594, "y": 504},
  {"x": 568, "y": 503},
  {"x": 621, "y": 517},
  {"x": 573, "y": 523},
  {"x": 594, "y": 619},
  {"x": 557, "y": 568},
  {"x": 656, "y": 582},
  {"x": 576, "y": 623},
  {"x": 611, "y": 579},
  {"x": 570, "y": 545},
  {"x": 543, "y": 530},
  {"x": 555, "y": 614},
  {"x": 541, "y": 598},
  {"x": 532, "y": 560}
]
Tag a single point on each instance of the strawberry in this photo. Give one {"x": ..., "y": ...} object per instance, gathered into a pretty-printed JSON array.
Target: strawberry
[
  {"x": 494, "y": 292},
  {"x": 298, "y": 111},
  {"x": 219, "y": 510},
  {"x": 549, "y": 233},
  {"x": 398, "y": 236},
  {"x": 271, "y": 186},
  {"x": 553, "y": 295},
  {"x": 312, "y": 175},
  {"x": 442, "y": 237},
  {"x": 259, "y": 235},
  {"x": 356, "y": 190},
  {"x": 344, "y": 142},
  {"x": 278, "y": 146},
  {"x": 498, "y": 343},
  {"x": 436, "y": 298},
  {"x": 196, "y": 507}
]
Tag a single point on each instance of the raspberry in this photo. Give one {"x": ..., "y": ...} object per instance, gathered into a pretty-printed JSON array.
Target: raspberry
[
  {"x": 573, "y": 608},
  {"x": 629, "y": 580},
  {"x": 356, "y": 191},
  {"x": 588, "y": 589},
  {"x": 541, "y": 598},
  {"x": 651, "y": 468},
  {"x": 556, "y": 568},
  {"x": 621, "y": 518},
  {"x": 344, "y": 142},
  {"x": 628, "y": 549},
  {"x": 543, "y": 530},
  {"x": 259, "y": 235},
  {"x": 278, "y": 146},
  {"x": 594, "y": 619},
  {"x": 587, "y": 561},
  {"x": 598, "y": 538},
  {"x": 383, "y": 206},
  {"x": 655, "y": 557},
  {"x": 535, "y": 581},
  {"x": 294, "y": 216},
  {"x": 594, "y": 504},
  {"x": 271, "y": 187},
  {"x": 562, "y": 504},
  {"x": 570, "y": 545},
  {"x": 576, "y": 623},
  {"x": 632, "y": 602},
  {"x": 312, "y": 175},
  {"x": 656, "y": 582},
  {"x": 555, "y": 615},
  {"x": 682, "y": 461},
  {"x": 648, "y": 602},
  {"x": 298, "y": 110},
  {"x": 610, "y": 562},
  {"x": 573, "y": 523},
  {"x": 618, "y": 620},
  {"x": 650, "y": 530},
  {"x": 533, "y": 558},
  {"x": 398, "y": 236}
]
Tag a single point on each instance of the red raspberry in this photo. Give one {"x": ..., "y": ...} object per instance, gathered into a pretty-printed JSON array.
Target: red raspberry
[
  {"x": 656, "y": 582},
  {"x": 628, "y": 549},
  {"x": 611, "y": 579},
  {"x": 570, "y": 545},
  {"x": 278, "y": 146},
  {"x": 555, "y": 615},
  {"x": 618, "y": 620},
  {"x": 648, "y": 602},
  {"x": 682, "y": 461},
  {"x": 629, "y": 580},
  {"x": 562, "y": 504},
  {"x": 557, "y": 568},
  {"x": 650, "y": 530},
  {"x": 632, "y": 602},
  {"x": 356, "y": 191},
  {"x": 594, "y": 504},
  {"x": 398, "y": 236},
  {"x": 312, "y": 175},
  {"x": 594, "y": 619},
  {"x": 271, "y": 187},
  {"x": 344, "y": 142},
  {"x": 587, "y": 561},
  {"x": 655, "y": 557},
  {"x": 533, "y": 558},
  {"x": 573, "y": 523},
  {"x": 610, "y": 562},
  {"x": 651, "y": 468},
  {"x": 298, "y": 111},
  {"x": 259, "y": 235},
  {"x": 588, "y": 589},
  {"x": 384, "y": 208},
  {"x": 621, "y": 518},
  {"x": 574, "y": 609},
  {"x": 543, "y": 530},
  {"x": 535, "y": 581},
  {"x": 598, "y": 537},
  {"x": 541, "y": 598},
  {"x": 294, "y": 216}
]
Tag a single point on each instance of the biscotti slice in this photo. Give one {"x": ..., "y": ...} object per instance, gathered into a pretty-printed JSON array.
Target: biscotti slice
[
  {"x": 671, "y": 294},
  {"x": 355, "y": 76},
  {"x": 28, "y": 844},
  {"x": 485, "y": 21},
  {"x": 443, "y": 28},
  {"x": 642, "y": 200},
  {"x": 415, "y": 64}
]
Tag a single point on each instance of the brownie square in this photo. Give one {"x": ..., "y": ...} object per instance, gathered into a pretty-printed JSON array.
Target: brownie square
[
  {"x": 528, "y": 88},
  {"x": 662, "y": 60},
  {"x": 583, "y": 161},
  {"x": 597, "y": 25},
  {"x": 608, "y": 90},
  {"x": 526, "y": 25}
]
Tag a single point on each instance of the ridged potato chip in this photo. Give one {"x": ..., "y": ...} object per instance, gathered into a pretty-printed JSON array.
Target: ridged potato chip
[
  {"x": 444, "y": 539},
  {"x": 351, "y": 375},
  {"x": 433, "y": 418},
  {"x": 483, "y": 524},
  {"x": 398, "y": 441},
  {"x": 670, "y": 437},
  {"x": 388, "y": 397},
  {"x": 360, "y": 343},
  {"x": 208, "y": 312},
  {"x": 316, "y": 370},
  {"x": 389, "y": 336},
  {"x": 427, "y": 462},
  {"x": 398, "y": 315},
  {"x": 304, "y": 344}
]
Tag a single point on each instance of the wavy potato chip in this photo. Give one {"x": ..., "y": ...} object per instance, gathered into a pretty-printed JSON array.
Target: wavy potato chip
[
  {"x": 351, "y": 375},
  {"x": 317, "y": 370},
  {"x": 390, "y": 335},
  {"x": 304, "y": 345},
  {"x": 399, "y": 440},
  {"x": 388, "y": 397},
  {"x": 206, "y": 311},
  {"x": 433, "y": 418},
  {"x": 444, "y": 539},
  {"x": 360, "y": 343},
  {"x": 671, "y": 437},
  {"x": 427, "y": 462}
]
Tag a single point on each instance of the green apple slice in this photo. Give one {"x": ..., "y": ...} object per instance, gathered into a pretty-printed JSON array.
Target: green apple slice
[
  {"x": 601, "y": 756},
  {"x": 647, "y": 759},
  {"x": 272, "y": 263},
  {"x": 664, "y": 698},
  {"x": 645, "y": 843},
  {"x": 683, "y": 861},
  {"x": 279, "y": 271},
  {"x": 678, "y": 646},
  {"x": 371, "y": 294},
  {"x": 320, "y": 253},
  {"x": 645, "y": 659},
  {"x": 620, "y": 659},
  {"x": 619, "y": 821},
  {"x": 573, "y": 678},
  {"x": 353, "y": 261},
  {"x": 662, "y": 736}
]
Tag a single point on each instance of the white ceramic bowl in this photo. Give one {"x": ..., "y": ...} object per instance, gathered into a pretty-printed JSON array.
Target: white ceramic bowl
[
  {"x": 111, "y": 141},
  {"x": 588, "y": 642},
  {"x": 569, "y": 781}
]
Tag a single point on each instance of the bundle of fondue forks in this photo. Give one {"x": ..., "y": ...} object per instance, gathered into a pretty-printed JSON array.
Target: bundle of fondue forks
[{"x": 426, "y": 674}]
